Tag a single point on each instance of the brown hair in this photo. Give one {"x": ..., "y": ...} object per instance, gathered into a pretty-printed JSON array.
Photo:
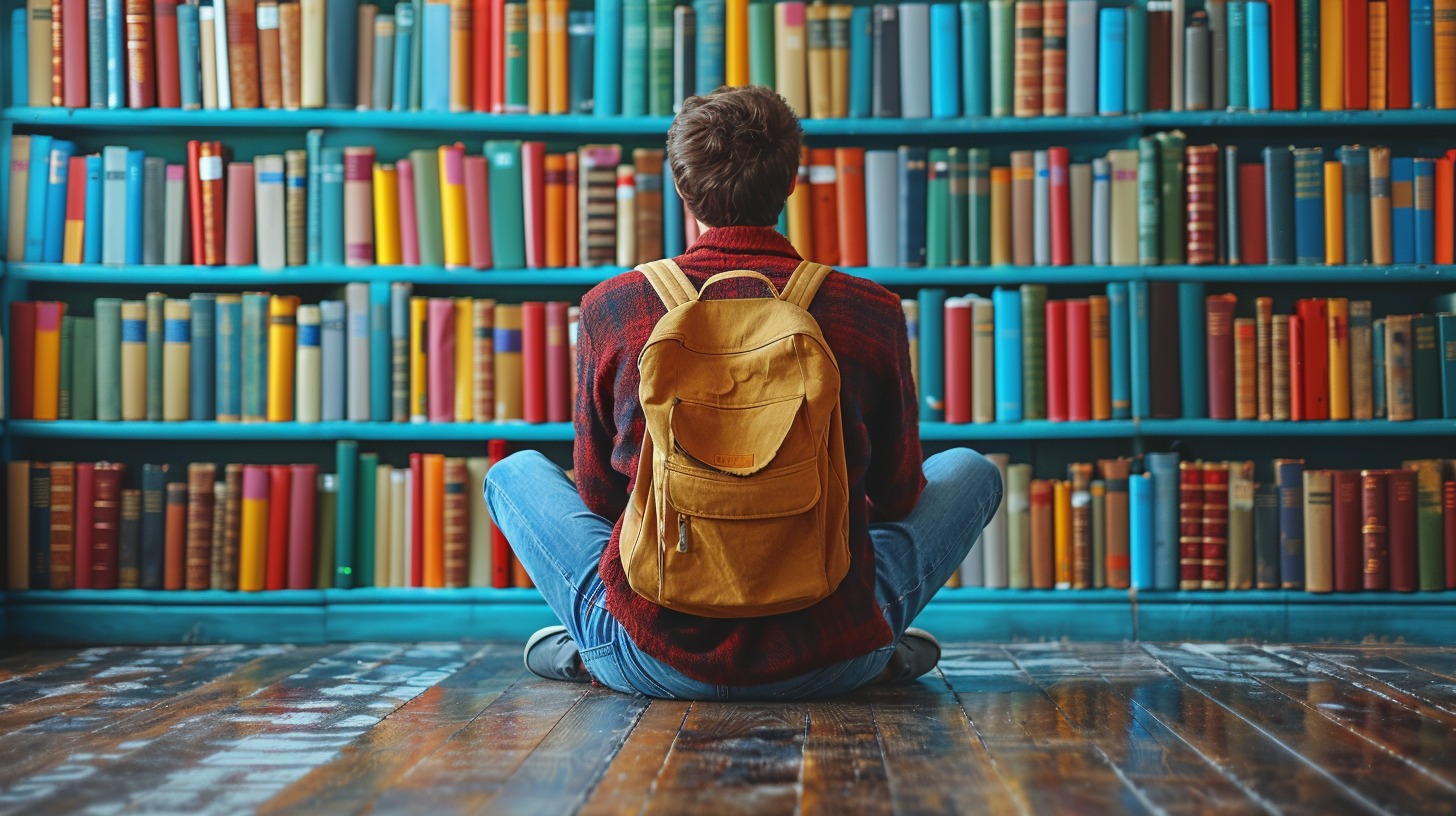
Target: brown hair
[{"x": 733, "y": 154}]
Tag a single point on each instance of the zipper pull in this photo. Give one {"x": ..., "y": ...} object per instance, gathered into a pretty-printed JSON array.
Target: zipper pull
[{"x": 682, "y": 533}]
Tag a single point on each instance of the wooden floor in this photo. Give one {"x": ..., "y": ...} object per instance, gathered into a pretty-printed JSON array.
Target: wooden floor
[{"x": 460, "y": 728}]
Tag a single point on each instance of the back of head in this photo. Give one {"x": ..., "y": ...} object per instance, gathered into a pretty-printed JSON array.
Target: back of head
[{"x": 734, "y": 154}]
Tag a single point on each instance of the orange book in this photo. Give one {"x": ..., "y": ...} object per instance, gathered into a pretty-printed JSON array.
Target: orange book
[
  {"x": 536, "y": 57},
  {"x": 800, "y": 223},
  {"x": 823, "y": 194},
  {"x": 364, "y": 74},
  {"x": 735, "y": 43},
  {"x": 452, "y": 206},
  {"x": 1443, "y": 206},
  {"x": 270, "y": 56},
  {"x": 1443, "y": 20},
  {"x": 558, "y": 55},
  {"x": 434, "y": 519},
  {"x": 461, "y": 23},
  {"x": 1000, "y": 216},
  {"x": 556, "y": 230},
  {"x": 1334, "y": 213},
  {"x": 570, "y": 215},
  {"x": 175, "y": 537},
  {"x": 290, "y": 55},
  {"x": 1338, "y": 335},
  {"x": 1099, "y": 325},
  {"x": 1376, "y": 49},
  {"x": 242, "y": 53},
  {"x": 1062, "y": 532},
  {"x": 47, "y": 378},
  {"x": 850, "y": 206},
  {"x": 253, "y": 535}
]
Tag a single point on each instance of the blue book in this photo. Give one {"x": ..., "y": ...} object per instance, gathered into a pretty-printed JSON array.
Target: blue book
[
  {"x": 135, "y": 214},
  {"x": 1118, "y": 334},
  {"x": 435, "y": 40},
  {"x": 673, "y": 235},
  {"x": 1137, "y": 54},
  {"x": 1279, "y": 204},
  {"x": 204, "y": 356},
  {"x": 404, "y": 35},
  {"x": 228, "y": 365},
  {"x": 932, "y": 354},
  {"x": 581, "y": 32},
  {"x": 347, "y": 470},
  {"x": 945, "y": 61},
  {"x": 313, "y": 142},
  {"x": 1137, "y": 351},
  {"x": 1355, "y": 167},
  {"x": 1238, "y": 54},
  {"x": 1259, "y": 92},
  {"x": 1309, "y": 206},
  {"x": 1006, "y": 310},
  {"x": 1402, "y": 211},
  {"x": 154, "y": 526},
  {"x": 40, "y": 526},
  {"x": 1163, "y": 467},
  {"x": 607, "y": 67},
  {"x": 35, "y": 197},
  {"x": 1112, "y": 61},
  {"x": 861, "y": 44},
  {"x": 632, "y": 74},
  {"x": 1422, "y": 55},
  {"x": 1140, "y": 529},
  {"x": 379, "y": 351},
  {"x": 55, "y": 219},
  {"x": 19, "y": 59},
  {"x": 1289, "y": 475},
  {"x": 96, "y": 53},
  {"x": 1377, "y": 368},
  {"x": 332, "y": 345},
  {"x": 975, "y": 57},
  {"x": 115, "y": 54},
  {"x": 709, "y": 36},
  {"x": 331, "y": 195},
  {"x": 913, "y": 178},
  {"x": 189, "y": 55},
  {"x": 1424, "y": 188},
  {"x": 1193, "y": 350},
  {"x": 254, "y": 359},
  {"x": 95, "y": 209},
  {"x": 1446, "y": 335}
]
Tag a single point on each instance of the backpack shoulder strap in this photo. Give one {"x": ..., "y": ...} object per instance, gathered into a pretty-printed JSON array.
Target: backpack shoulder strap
[
  {"x": 804, "y": 283},
  {"x": 669, "y": 282}
]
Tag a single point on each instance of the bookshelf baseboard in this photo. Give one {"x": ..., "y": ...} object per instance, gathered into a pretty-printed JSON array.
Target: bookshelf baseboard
[{"x": 310, "y": 616}]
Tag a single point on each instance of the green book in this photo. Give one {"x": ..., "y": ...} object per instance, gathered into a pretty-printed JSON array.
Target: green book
[
  {"x": 1033, "y": 350},
  {"x": 368, "y": 503},
  {"x": 345, "y": 517},
  {"x": 67, "y": 366},
  {"x": 1170, "y": 195},
  {"x": 1018, "y": 526},
  {"x": 1149, "y": 231},
  {"x": 1446, "y": 342},
  {"x": 1431, "y": 558},
  {"x": 507, "y": 212},
  {"x": 155, "y": 325},
  {"x": 517, "y": 67},
  {"x": 659, "y": 57},
  {"x": 1193, "y": 349},
  {"x": 978, "y": 204},
  {"x": 325, "y": 523},
  {"x": 635, "y": 17},
  {"x": 937, "y": 207},
  {"x": 108, "y": 359},
  {"x": 1137, "y": 59},
  {"x": 426, "y": 167},
  {"x": 1099, "y": 533},
  {"x": 1003, "y": 51},
  {"x": 1426, "y": 366},
  {"x": 255, "y": 357},
  {"x": 761, "y": 53},
  {"x": 83, "y": 369},
  {"x": 959, "y": 201},
  {"x": 1309, "y": 55}
]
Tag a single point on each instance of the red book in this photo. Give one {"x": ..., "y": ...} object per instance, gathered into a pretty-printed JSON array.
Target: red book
[
  {"x": 73, "y": 53},
  {"x": 558, "y": 363},
  {"x": 211, "y": 187},
  {"x": 1283, "y": 56},
  {"x": 824, "y": 202},
  {"x": 22, "y": 359},
  {"x": 495, "y": 52},
  {"x": 85, "y": 518},
  {"x": 1219, "y": 325},
  {"x": 481, "y": 26},
  {"x": 280, "y": 491},
  {"x": 1357, "y": 54},
  {"x": 194, "y": 199},
  {"x": 1314, "y": 317},
  {"x": 242, "y": 44},
  {"x": 240, "y": 214},
  {"x": 75, "y": 208},
  {"x": 1252, "y": 248},
  {"x": 302, "y": 504},
  {"x": 174, "y": 561},
  {"x": 1346, "y": 523},
  {"x": 533, "y": 172},
  {"x": 417, "y": 520},
  {"x": 1296, "y": 367},
  {"x": 105, "y": 524},
  {"x": 1448, "y": 508},
  {"x": 169, "y": 81},
  {"x": 477, "y": 211},
  {"x": 1056, "y": 360},
  {"x": 1190, "y": 525},
  {"x": 1043, "y": 539},
  {"x": 1401, "y": 507},
  {"x": 141, "y": 85},
  {"x": 1215, "y": 525},
  {"x": 850, "y": 206},
  {"x": 1375, "y": 529},
  {"x": 500, "y": 548},
  {"x": 1201, "y": 228},
  {"x": 440, "y": 356},
  {"x": 573, "y": 207},
  {"x": 1079, "y": 361},
  {"x": 957, "y": 360},
  {"x": 1060, "y": 206},
  {"x": 533, "y": 361},
  {"x": 1397, "y": 55}
]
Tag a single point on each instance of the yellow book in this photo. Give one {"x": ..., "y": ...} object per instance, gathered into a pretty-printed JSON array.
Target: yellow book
[
  {"x": 1334, "y": 213},
  {"x": 452, "y": 206},
  {"x": 419, "y": 408},
  {"x": 1099, "y": 325},
  {"x": 386, "y": 215},
  {"x": 74, "y": 248},
  {"x": 507, "y": 379},
  {"x": 133, "y": 360},
  {"x": 735, "y": 43},
  {"x": 558, "y": 57},
  {"x": 47, "y": 379},
  {"x": 1376, "y": 36},
  {"x": 176, "y": 360},
  {"x": 801, "y": 221},
  {"x": 464, "y": 359},
  {"x": 1443, "y": 19},
  {"x": 536, "y": 90},
  {"x": 821, "y": 95},
  {"x": 282, "y": 353},
  {"x": 1332, "y": 54},
  {"x": 1000, "y": 216},
  {"x": 1062, "y": 532},
  {"x": 434, "y": 521},
  {"x": 1339, "y": 360},
  {"x": 460, "y": 56},
  {"x": 253, "y": 538},
  {"x": 839, "y": 15}
]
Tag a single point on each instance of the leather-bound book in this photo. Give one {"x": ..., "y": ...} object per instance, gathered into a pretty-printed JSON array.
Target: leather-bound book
[
  {"x": 1115, "y": 475},
  {"x": 1214, "y": 573},
  {"x": 1053, "y": 57},
  {"x": 1401, "y": 515},
  {"x": 270, "y": 55},
  {"x": 280, "y": 494},
  {"x": 105, "y": 525},
  {"x": 1027, "y": 91},
  {"x": 1345, "y": 530},
  {"x": 141, "y": 83},
  {"x": 242, "y": 33},
  {"x": 456, "y": 530},
  {"x": 301, "y": 526},
  {"x": 1080, "y": 476},
  {"x": 1375, "y": 529},
  {"x": 174, "y": 558},
  {"x": 1220, "y": 352},
  {"x": 1202, "y": 203},
  {"x": 1190, "y": 525},
  {"x": 200, "y": 484},
  {"x": 1241, "y": 558},
  {"x": 290, "y": 56}
]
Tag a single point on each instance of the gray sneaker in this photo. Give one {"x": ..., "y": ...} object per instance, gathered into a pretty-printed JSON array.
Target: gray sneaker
[
  {"x": 551, "y": 653},
  {"x": 916, "y": 653}
]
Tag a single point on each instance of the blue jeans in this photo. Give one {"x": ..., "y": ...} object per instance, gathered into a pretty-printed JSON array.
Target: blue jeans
[{"x": 560, "y": 542}]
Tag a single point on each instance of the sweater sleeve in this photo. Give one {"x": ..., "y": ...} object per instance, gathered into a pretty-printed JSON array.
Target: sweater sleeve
[
  {"x": 895, "y": 478},
  {"x": 602, "y": 488}
]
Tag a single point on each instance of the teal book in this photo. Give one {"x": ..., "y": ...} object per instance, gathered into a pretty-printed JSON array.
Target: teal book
[
  {"x": 1033, "y": 350},
  {"x": 979, "y": 205},
  {"x": 1193, "y": 349},
  {"x": 153, "y": 557},
  {"x": 507, "y": 213},
  {"x": 404, "y": 50},
  {"x": 1163, "y": 467},
  {"x": 709, "y": 44},
  {"x": 1377, "y": 367},
  {"x": 517, "y": 69},
  {"x": 761, "y": 53},
  {"x": 673, "y": 235},
  {"x": 861, "y": 44},
  {"x": 945, "y": 61},
  {"x": 228, "y": 405},
  {"x": 975, "y": 57},
  {"x": 1006, "y": 315},
  {"x": 932, "y": 354},
  {"x": 156, "y": 328},
  {"x": 364, "y": 527},
  {"x": 204, "y": 356},
  {"x": 1170, "y": 196},
  {"x": 607, "y": 59},
  {"x": 1140, "y": 530},
  {"x": 135, "y": 212},
  {"x": 1446, "y": 340},
  {"x": 1117, "y": 329},
  {"x": 428, "y": 223},
  {"x": 659, "y": 57},
  {"x": 1150, "y": 232},
  {"x": 635, "y": 23},
  {"x": 1309, "y": 206},
  {"x": 1137, "y": 347},
  {"x": 108, "y": 359},
  {"x": 1425, "y": 367},
  {"x": 1355, "y": 167},
  {"x": 67, "y": 366},
  {"x": 1238, "y": 55},
  {"x": 254, "y": 366},
  {"x": 95, "y": 209},
  {"x": 19, "y": 62},
  {"x": 83, "y": 370},
  {"x": 959, "y": 203},
  {"x": 580, "y": 34},
  {"x": 1137, "y": 59},
  {"x": 435, "y": 40},
  {"x": 1003, "y": 66},
  {"x": 331, "y": 187},
  {"x": 35, "y": 198},
  {"x": 1309, "y": 54},
  {"x": 937, "y": 205},
  {"x": 313, "y": 141},
  {"x": 346, "y": 512},
  {"x": 379, "y": 351}
]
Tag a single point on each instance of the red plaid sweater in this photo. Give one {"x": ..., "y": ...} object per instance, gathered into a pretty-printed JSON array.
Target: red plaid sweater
[{"x": 865, "y": 327}]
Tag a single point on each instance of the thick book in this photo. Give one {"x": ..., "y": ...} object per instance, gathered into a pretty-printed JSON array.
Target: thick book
[
  {"x": 440, "y": 325},
  {"x": 1140, "y": 532},
  {"x": 1240, "y": 525},
  {"x": 201, "y": 509},
  {"x": 1163, "y": 468},
  {"x": 1345, "y": 526},
  {"x": 1282, "y": 237},
  {"x": 176, "y": 536},
  {"x": 1008, "y": 349},
  {"x": 1220, "y": 355},
  {"x": 177, "y": 360},
  {"x": 1117, "y": 565},
  {"x": 1375, "y": 529},
  {"x": 1318, "y": 531},
  {"x": 1190, "y": 524},
  {"x": 1163, "y": 350},
  {"x": 105, "y": 526},
  {"x": 1028, "y": 86},
  {"x": 1215, "y": 526},
  {"x": 1404, "y": 558},
  {"x": 152, "y": 554},
  {"x": 1308, "y": 207},
  {"x": 253, "y": 528},
  {"x": 1266, "y": 536}
]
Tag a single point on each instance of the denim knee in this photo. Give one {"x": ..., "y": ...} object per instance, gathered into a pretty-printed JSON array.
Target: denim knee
[
  {"x": 503, "y": 475},
  {"x": 975, "y": 471}
]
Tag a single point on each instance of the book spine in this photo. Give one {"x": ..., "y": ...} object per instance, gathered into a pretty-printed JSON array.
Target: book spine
[
  {"x": 177, "y": 360},
  {"x": 1318, "y": 531},
  {"x": 1374, "y": 529},
  {"x": 380, "y": 350},
  {"x": 1345, "y": 526},
  {"x": 1163, "y": 467},
  {"x": 282, "y": 355},
  {"x": 1215, "y": 527},
  {"x": 1190, "y": 524},
  {"x": 228, "y": 367},
  {"x": 455, "y": 541},
  {"x": 1140, "y": 506},
  {"x": 333, "y": 353},
  {"x": 83, "y": 384},
  {"x": 254, "y": 378},
  {"x": 134, "y": 373},
  {"x": 1111, "y": 54},
  {"x": 129, "y": 540},
  {"x": 1009, "y": 349},
  {"x": 1028, "y": 59},
  {"x": 308, "y": 404},
  {"x": 483, "y": 355},
  {"x": 1404, "y": 560},
  {"x": 1337, "y": 345},
  {"x": 1220, "y": 356},
  {"x": 153, "y": 527},
  {"x": 1290, "y": 476}
]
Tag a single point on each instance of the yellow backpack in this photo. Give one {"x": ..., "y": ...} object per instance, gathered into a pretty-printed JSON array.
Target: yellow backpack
[{"x": 741, "y": 504}]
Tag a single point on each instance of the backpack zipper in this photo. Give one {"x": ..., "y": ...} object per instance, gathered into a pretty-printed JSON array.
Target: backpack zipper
[{"x": 682, "y": 533}]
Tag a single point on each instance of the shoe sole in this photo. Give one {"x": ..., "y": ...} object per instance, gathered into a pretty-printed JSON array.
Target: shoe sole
[{"x": 538, "y": 636}]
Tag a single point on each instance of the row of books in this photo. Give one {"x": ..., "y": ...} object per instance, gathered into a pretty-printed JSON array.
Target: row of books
[
  {"x": 515, "y": 206},
  {"x": 489, "y": 55},
  {"x": 380, "y": 355},
  {"x": 1167, "y": 523},
  {"x": 250, "y": 527}
]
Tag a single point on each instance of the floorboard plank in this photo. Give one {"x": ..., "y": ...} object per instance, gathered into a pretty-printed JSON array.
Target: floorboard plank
[
  {"x": 1320, "y": 661},
  {"x": 1166, "y": 772},
  {"x": 733, "y": 758},
  {"x": 1380, "y": 665},
  {"x": 844, "y": 765},
  {"x": 1357, "y": 764},
  {"x": 627, "y": 783},
  {"x": 1440, "y": 662},
  {"x": 24, "y": 663}
]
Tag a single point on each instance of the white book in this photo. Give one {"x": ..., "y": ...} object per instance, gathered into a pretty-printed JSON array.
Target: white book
[
  {"x": 176, "y": 242},
  {"x": 993, "y": 538},
  {"x": 983, "y": 361},
  {"x": 356, "y": 304},
  {"x": 881, "y": 178},
  {"x": 309, "y": 366},
  {"x": 220, "y": 51},
  {"x": 1101, "y": 212},
  {"x": 404, "y": 511},
  {"x": 383, "y": 524},
  {"x": 1179, "y": 23},
  {"x": 268, "y": 201},
  {"x": 914, "y": 60},
  {"x": 626, "y": 216},
  {"x": 113, "y": 196},
  {"x": 1081, "y": 57}
]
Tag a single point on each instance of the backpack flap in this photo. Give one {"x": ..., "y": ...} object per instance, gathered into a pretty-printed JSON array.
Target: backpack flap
[{"x": 735, "y": 441}]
